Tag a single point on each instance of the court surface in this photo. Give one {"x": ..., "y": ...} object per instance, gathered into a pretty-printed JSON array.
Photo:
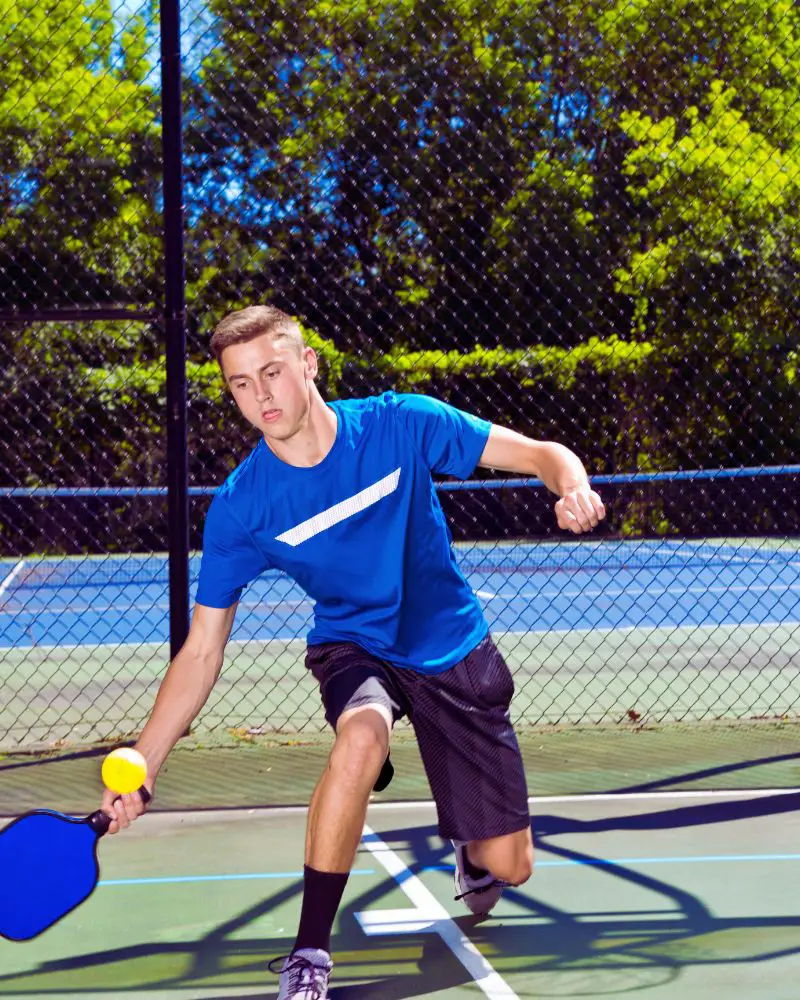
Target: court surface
[
  {"x": 595, "y": 631},
  {"x": 655, "y": 893},
  {"x": 664, "y": 897},
  {"x": 561, "y": 586}
]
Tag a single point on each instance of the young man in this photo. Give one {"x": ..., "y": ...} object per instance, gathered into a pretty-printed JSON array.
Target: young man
[{"x": 340, "y": 496}]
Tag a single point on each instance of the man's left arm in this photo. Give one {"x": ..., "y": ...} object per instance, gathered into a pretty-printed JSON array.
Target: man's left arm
[{"x": 579, "y": 508}]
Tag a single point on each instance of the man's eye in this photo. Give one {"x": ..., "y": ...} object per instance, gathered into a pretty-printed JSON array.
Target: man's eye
[
  {"x": 242, "y": 385},
  {"x": 273, "y": 374}
]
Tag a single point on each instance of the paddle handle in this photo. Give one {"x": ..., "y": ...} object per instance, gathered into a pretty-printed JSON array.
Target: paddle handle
[{"x": 100, "y": 821}]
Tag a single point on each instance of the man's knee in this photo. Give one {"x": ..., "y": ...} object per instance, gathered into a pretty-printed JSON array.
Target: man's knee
[
  {"x": 519, "y": 870},
  {"x": 514, "y": 869},
  {"x": 509, "y": 858},
  {"x": 362, "y": 743}
]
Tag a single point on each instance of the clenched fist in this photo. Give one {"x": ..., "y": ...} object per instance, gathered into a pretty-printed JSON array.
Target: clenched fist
[{"x": 580, "y": 510}]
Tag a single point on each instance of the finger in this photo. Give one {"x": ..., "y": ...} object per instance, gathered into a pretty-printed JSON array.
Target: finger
[
  {"x": 107, "y": 806},
  {"x": 599, "y": 506},
  {"x": 577, "y": 505},
  {"x": 120, "y": 818},
  {"x": 123, "y": 813},
  {"x": 592, "y": 509},
  {"x": 583, "y": 511},
  {"x": 594, "y": 506},
  {"x": 114, "y": 824},
  {"x": 133, "y": 805},
  {"x": 567, "y": 521}
]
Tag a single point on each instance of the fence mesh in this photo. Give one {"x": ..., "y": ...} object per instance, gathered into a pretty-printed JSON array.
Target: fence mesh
[{"x": 576, "y": 219}]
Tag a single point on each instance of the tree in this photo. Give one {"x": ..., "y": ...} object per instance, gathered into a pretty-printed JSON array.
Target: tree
[
  {"x": 576, "y": 217},
  {"x": 79, "y": 170}
]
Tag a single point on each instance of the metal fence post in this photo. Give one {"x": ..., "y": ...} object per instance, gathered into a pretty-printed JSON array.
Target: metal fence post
[{"x": 175, "y": 324}]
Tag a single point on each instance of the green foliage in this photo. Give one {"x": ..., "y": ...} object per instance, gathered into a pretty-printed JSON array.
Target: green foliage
[
  {"x": 528, "y": 366},
  {"x": 576, "y": 218},
  {"x": 77, "y": 173}
]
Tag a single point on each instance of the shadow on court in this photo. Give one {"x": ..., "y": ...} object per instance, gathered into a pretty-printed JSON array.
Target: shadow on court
[
  {"x": 650, "y": 948},
  {"x": 599, "y": 947},
  {"x": 663, "y": 784}
]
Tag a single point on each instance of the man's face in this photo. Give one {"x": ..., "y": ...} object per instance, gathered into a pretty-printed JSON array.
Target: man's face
[{"x": 270, "y": 380}]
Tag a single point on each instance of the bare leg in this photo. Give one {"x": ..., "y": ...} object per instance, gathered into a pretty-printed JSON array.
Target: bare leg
[
  {"x": 339, "y": 804},
  {"x": 509, "y": 858}
]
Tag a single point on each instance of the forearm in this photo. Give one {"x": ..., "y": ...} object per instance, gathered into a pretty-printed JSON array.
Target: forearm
[
  {"x": 182, "y": 694},
  {"x": 558, "y": 468}
]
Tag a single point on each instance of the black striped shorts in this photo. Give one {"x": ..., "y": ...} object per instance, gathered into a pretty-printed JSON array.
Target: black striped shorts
[{"x": 462, "y": 723}]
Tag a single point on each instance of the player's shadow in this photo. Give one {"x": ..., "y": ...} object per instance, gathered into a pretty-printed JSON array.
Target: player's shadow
[
  {"x": 636, "y": 945},
  {"x": 202, "y": 960},
  {"x": 658, "y": 942},
  {"x": 205, "y": 957},
  {"x": 436, "y": 970}
]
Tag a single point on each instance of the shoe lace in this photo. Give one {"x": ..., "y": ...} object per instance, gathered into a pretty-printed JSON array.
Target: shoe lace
[
  {"x": 302, "y": 974},
  {"x": 478, "y": 890}
]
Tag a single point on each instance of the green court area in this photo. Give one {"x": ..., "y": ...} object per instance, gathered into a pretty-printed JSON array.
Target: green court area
[
  {"x": 661, "y": 873},
  {"x": 234, "y": 770},
  {"x": 90, "y": 693},
  {"x": 661, "y": 896}
]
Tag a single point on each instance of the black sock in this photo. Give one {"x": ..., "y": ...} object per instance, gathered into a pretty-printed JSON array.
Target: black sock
[
  {"x": 322, "y": 893},
  {"x": 472, "y": 870}
]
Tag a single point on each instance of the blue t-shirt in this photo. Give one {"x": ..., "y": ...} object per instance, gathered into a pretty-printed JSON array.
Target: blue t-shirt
[{"x": 362, "y": 532}]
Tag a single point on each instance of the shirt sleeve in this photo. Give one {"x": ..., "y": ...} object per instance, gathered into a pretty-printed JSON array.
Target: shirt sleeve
[
  {"x": 450, "y": 440},
  {"x": 231, "y": 557}
]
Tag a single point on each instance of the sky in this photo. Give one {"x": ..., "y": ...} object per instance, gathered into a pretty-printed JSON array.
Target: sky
[{"x": 196, "y": 28}]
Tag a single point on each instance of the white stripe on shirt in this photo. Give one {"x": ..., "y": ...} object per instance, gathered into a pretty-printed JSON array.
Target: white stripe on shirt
[{"x": 341, "y": 511}]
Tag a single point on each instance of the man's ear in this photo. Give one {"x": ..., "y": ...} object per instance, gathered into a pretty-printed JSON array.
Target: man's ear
[{"x": 311, "y": 362}]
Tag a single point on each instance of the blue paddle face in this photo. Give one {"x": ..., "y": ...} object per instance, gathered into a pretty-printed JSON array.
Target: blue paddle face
[{"x": 48, "y": 865}]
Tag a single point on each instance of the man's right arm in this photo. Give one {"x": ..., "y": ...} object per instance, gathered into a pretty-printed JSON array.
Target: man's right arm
[{"x": 182, "y": 694}]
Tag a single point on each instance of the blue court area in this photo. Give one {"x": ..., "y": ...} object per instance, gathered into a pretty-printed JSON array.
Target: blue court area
[{"x": 586, "y": 585}]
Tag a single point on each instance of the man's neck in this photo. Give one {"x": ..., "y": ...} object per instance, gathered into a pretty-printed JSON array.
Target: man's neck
[{"x": 312, "y": 442}]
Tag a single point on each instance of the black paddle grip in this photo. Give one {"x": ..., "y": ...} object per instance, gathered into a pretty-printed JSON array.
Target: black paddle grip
[{"x": 100, "y": 821}]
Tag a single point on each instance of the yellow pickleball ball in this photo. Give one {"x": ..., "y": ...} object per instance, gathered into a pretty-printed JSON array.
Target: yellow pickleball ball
[{"x": 124, "y": 770}]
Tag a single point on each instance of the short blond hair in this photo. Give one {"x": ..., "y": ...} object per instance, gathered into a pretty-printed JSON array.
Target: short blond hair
[{"x": 255, "y": 321}]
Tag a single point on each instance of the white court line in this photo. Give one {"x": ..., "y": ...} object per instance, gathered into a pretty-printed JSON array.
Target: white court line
[
  {"x": 722, "y": 793},
  {"x": 162, "y": 643},
  {"x": 51, "y": 608},
  {"x": 10, "y": 578},
  {"x": 670, "y": 627},
  {"x": 428, "y": 915},
  {"x": 673, "y": 628},
  {"x": 639, "y": 592}
]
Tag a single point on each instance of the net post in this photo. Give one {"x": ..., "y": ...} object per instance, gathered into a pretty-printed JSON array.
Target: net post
[{"x": 175, "y": 326}]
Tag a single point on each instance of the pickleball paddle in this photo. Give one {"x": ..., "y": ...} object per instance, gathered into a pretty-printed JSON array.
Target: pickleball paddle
[{"x": 48, "y": 866}]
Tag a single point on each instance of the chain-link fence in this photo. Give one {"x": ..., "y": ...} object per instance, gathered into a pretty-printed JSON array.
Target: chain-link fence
[{"x": 577, "y": 219}]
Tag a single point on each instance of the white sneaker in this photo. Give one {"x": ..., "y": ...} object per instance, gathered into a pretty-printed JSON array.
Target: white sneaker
[
  {"x": 480, "y": 895},
  {"x": 304, "y": 975}
]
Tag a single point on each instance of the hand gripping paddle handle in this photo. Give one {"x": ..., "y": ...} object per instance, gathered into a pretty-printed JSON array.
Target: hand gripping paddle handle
[{"x": 100, "y": 821}]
